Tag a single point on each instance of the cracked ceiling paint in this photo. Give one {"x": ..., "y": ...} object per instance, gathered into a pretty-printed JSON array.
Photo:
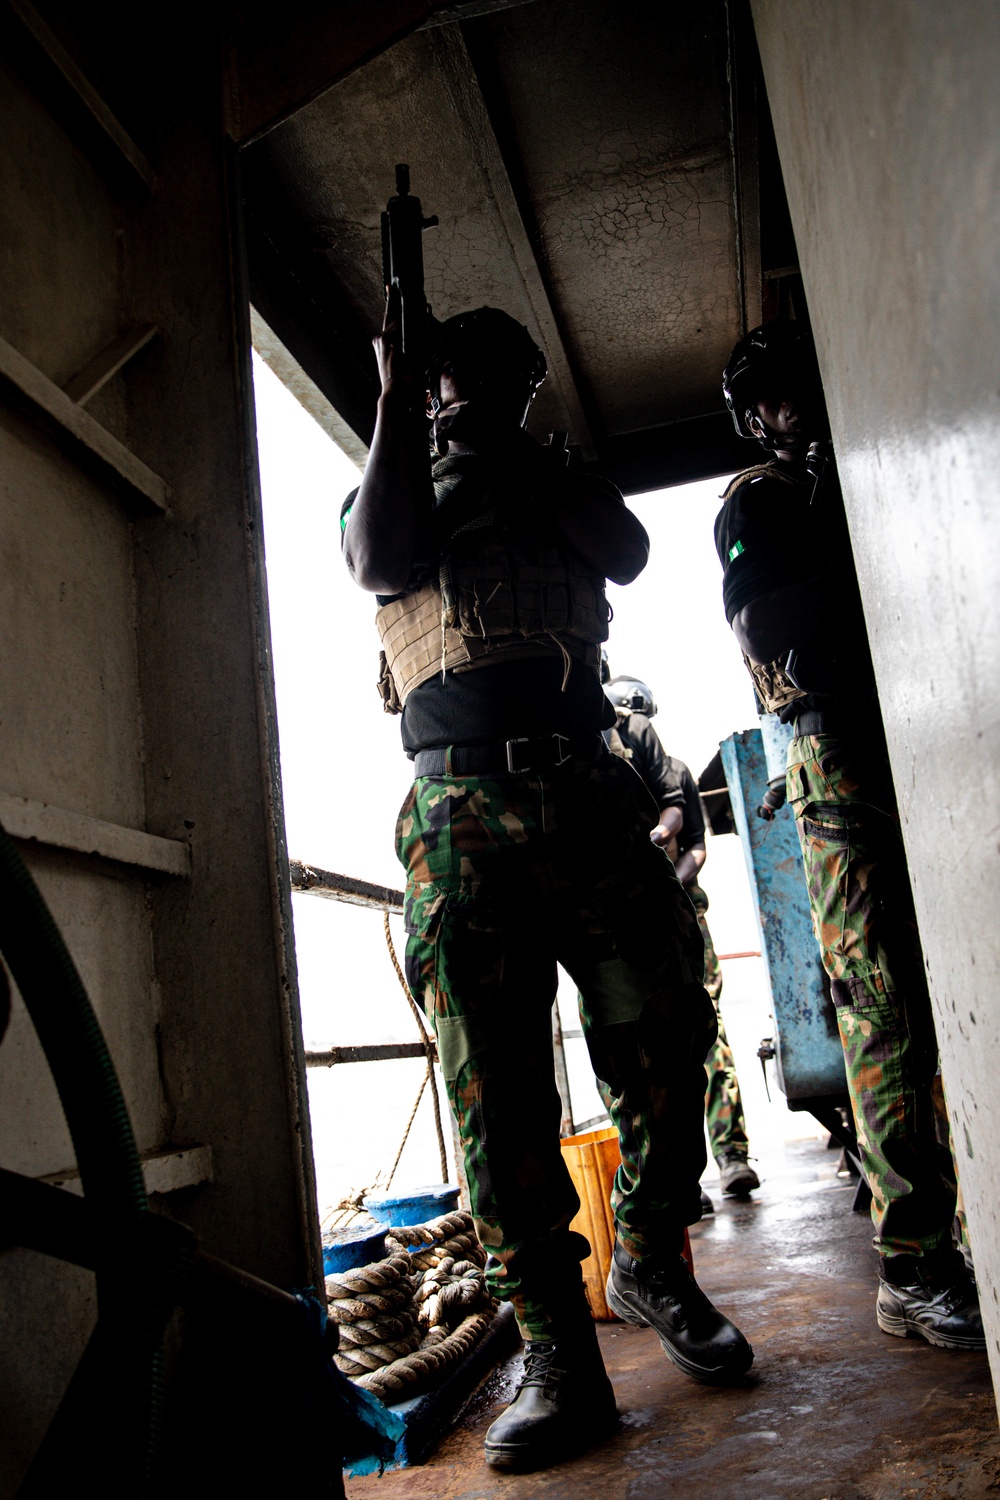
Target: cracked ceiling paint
[{"x": 578, "y": 156}]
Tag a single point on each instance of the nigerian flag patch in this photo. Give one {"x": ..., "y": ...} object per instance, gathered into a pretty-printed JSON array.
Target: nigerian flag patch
[{"x": 735, "y": 550}]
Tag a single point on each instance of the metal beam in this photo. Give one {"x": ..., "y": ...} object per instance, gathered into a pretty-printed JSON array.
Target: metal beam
[
  {"x": 56, "y": 73},
  {"x": 344, "y": 888},
  {"x": 377, "y": 1052},
  {"x": 283, "y": 63},
  {"x": 468, "y": 10},
  {"x": 305, "y": 390},
  {"x": 163, "y": 1171},
  {"x": 744, "y": 73},
  {"x": 467, "y": 96},
  {"x": 281, "y": 69},
  {"x": 95, "y": 375},
  {"x": 677, "y": 453},
  {"x": 307, "y": 313},
  {"x": 41, "y": 823},
  {"x": 581, "y": 1126},
  {"x": 73, "y": 425}
]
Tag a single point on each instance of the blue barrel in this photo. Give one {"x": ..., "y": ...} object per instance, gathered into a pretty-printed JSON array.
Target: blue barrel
[
  {"x": 414, "y": 1207},
  {"x": 344, "y": 1249}
]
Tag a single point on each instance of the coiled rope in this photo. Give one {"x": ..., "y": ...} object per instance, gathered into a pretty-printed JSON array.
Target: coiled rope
[{"x": 407, "y": 1318}]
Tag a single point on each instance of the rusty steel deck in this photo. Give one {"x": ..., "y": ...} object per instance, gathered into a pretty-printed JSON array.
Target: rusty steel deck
[{"x": 834, "y": 1410}]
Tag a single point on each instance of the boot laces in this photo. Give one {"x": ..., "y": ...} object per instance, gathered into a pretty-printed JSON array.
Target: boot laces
[
  {"x": 667, "y": 1278},
  {"x": 541, "y": 1365}
]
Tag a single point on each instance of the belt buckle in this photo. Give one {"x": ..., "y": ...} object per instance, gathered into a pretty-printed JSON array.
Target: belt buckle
[
  {"x": 522, "y": 739},
  {"x": 566, "y": 755}
]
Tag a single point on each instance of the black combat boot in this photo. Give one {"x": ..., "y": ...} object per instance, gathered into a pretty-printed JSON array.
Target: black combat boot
[
  {"x": 661, "y": 1292},
  {"x": 738, "y": 1177},
  {"x": 564, "y": 1402},
  {"x": 932, "y": 1298}
]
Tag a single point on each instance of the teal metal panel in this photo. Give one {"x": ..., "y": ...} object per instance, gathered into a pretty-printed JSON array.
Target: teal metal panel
[
  {"x": 776, "y": 737},
  {"x": 810, "y": 1062}
]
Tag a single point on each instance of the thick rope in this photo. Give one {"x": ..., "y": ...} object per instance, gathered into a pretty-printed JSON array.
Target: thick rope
[
  {"x": 429, "y": 1052},
  {"x": 428, "y": 1244},
  {"x": 406, "y": 1318},
  {"x": 363, "y": 1359},
  {"x": 368, "y": 1331},
  {"x": 462, "y": 1247},
  {"x": 434, "y": 1232},
  {"x": 445, "y": 1297},
  {"x": 403, "y": 1377},
  {"x": 355, "y": 1309},
  {"x": 372, "y": 1278}
]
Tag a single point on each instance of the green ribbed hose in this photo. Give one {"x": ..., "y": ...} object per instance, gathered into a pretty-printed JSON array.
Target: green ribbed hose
[
  {"x": 106, "y": 1155},
  {"x": 71, "y": 1039}
]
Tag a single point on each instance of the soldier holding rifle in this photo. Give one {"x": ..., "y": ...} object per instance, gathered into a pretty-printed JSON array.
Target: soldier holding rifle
[{"x": 526, "y": 844}]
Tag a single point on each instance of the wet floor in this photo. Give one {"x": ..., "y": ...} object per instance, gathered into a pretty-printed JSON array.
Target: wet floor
[{"x": 834, "y": 1409}]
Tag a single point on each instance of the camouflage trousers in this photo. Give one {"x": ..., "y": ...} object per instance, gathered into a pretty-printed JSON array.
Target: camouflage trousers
[
  {"x": 506, "y": 877},
  {"x": 862, "y": 911},
  {"x": 723, "y": 1104}
]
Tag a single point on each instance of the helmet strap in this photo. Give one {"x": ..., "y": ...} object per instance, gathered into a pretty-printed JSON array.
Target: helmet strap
[{"x": 761, "y": 431}]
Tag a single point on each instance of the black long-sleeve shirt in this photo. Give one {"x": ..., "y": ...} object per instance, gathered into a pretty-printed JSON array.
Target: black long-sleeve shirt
[{"x": 774, "y": 531}]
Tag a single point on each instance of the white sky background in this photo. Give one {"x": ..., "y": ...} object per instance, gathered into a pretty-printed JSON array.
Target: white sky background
[{"x": 344, "y": 773}]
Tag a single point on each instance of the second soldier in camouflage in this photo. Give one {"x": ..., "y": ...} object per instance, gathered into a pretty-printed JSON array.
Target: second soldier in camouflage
[{"x": 791, "y": 595}]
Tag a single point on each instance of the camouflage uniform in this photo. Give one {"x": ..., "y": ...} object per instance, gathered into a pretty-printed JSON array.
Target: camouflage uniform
[
  {"x": 863, "y": 916},
  {"x": 670, "y": 784},
  {"x": 506, "y": 876},
  {"x": 774, "y": 523},
  {"x": 723, "y": 1104}
]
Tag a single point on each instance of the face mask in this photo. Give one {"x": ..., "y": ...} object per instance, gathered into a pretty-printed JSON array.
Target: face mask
[
  {"x": 463, "y": 425},
  {"x": 485, "y": 420}
]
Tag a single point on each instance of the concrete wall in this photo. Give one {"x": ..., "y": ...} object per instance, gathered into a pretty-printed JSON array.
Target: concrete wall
[
  {"x": 887, "y": 119},
  {"x": 134, "y": 679}
]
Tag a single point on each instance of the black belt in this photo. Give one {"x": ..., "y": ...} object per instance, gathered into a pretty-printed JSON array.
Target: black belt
[
  {"x": 835, "y": 721},
  {"x": 515, "y": 757}
]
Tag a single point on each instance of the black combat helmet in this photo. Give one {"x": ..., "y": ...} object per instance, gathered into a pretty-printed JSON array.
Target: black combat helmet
[
  {"x": 483, "y": 334},
  {"x": 631, "y": 693},
  {"x": 781, "y": 349}
]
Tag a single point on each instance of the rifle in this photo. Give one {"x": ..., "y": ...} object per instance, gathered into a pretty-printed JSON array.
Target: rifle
[{"x": 403, "y": 224}]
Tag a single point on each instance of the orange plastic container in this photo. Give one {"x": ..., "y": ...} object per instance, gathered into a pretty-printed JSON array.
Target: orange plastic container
[{"x": 593, "y": 1158}]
